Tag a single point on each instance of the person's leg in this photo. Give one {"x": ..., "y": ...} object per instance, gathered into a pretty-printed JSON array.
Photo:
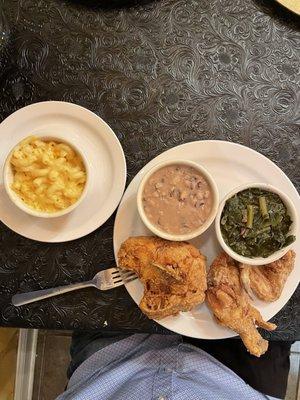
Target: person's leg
[
  {"x": 86, "y": 343},
  {"x": 268, "y": 374}
]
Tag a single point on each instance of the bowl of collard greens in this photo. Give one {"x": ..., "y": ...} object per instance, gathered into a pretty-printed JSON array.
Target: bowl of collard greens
[{"x": 256, "y": 223}]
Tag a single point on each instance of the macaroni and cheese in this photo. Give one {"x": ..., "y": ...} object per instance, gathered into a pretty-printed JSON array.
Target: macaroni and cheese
[{"x": 48, "y": 176}]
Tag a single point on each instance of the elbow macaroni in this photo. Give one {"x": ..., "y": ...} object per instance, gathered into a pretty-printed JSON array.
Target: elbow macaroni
[{"x": 48, "y": 176}]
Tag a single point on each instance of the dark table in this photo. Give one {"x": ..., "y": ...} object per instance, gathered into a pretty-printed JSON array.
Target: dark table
[{"x": 160, "y": 73}]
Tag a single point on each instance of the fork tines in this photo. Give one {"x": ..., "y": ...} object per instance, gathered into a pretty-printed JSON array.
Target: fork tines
[{"x": 123, "y": 276}]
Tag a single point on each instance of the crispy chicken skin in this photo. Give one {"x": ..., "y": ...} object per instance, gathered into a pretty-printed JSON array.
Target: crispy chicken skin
[
  {"x": 173, "y": 274},
  {"x": 229, "y": 303},
  {"x": 267, "y": 281}
]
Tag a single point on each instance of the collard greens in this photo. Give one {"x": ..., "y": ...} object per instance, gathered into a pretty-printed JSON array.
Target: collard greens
[{"x": 255, "y": 223}]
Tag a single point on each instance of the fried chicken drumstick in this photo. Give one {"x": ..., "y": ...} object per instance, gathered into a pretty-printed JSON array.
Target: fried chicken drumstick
[
  {"x": 229, "y": 303},
  {"x": 173, "y": 274}
]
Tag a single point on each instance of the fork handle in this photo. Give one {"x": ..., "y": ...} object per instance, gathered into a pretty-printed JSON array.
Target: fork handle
[{"x": 30, "y": 297}]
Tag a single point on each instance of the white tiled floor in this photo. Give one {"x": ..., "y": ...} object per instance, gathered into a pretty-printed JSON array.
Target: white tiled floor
[{"x": 293, "y": 392}]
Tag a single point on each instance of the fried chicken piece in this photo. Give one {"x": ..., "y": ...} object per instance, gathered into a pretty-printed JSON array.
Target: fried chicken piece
[
  {"x": 229, "y": 303},
  {"x": 267, "y": 281},
  {"x": 173, "y": 274}
]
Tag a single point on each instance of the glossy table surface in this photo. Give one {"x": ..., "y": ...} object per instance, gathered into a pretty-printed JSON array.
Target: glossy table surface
[{"x": 161, "y": 73}]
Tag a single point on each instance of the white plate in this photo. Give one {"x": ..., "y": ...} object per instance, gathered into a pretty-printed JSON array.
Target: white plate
[
  {"x": 231, "y": 165},
  {"x": 103, "y": 152}
]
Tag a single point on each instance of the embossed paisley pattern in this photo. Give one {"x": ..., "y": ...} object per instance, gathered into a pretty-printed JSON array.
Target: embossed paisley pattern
[{"x": 160, "y": 73}]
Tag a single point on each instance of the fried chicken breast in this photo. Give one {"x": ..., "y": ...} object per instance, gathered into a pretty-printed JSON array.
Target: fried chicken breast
[
  {"x": 229, "y": 303},
  {"x": 173, "y": 274},
  {"x": 267, "y": 281}
]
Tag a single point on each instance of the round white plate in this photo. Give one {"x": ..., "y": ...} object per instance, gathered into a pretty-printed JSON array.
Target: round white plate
[
  {"x": 107, "y": 169},
  {"x": 231, "y": 165}
]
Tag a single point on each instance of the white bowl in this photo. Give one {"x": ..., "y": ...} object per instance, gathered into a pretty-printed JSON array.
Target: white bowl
[
  {"x": 203, "y": 227},
  {"x": 257, "y": 260},
  {"x": 8, "y": 179}
]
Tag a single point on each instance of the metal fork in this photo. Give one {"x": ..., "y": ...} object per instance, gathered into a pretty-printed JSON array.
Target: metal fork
[{"x": 103, "y": 280}]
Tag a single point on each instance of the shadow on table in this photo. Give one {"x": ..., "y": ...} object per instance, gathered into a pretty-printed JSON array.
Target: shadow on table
[
  {"x": 276, "y": 10},
  {"x": 109, "y": 4}
]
